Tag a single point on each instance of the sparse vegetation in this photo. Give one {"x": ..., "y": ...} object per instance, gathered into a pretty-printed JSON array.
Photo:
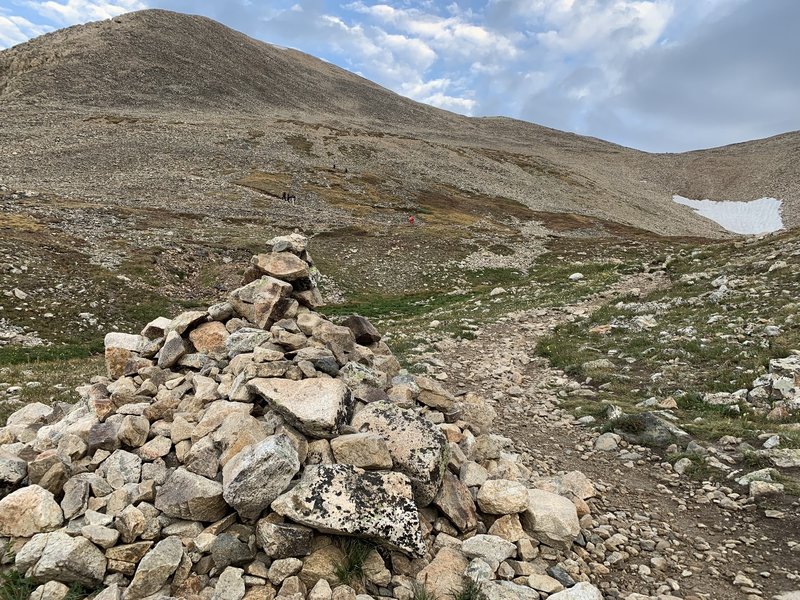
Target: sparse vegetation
[{"x": 351, "y": 569}]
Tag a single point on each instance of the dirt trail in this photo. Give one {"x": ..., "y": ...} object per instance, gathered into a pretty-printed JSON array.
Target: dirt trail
[{"x": 677, "y": 539}]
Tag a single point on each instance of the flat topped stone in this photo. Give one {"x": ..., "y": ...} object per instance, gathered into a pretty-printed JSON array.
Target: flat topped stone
[
  {"x": 317, "y": 407},
  {"x": 281, "y": 265},
  {"x": 343, "y": 499}
]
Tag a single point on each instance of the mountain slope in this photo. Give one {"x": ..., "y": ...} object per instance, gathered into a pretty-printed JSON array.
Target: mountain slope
[{"x": 144, "y": 103}]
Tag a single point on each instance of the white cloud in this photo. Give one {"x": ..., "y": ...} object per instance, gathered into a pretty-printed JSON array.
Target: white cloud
[
  {"x": 15, "y": 30},
  {"x": 71, "y": 12},
  {"x": 464, "y": 106}
]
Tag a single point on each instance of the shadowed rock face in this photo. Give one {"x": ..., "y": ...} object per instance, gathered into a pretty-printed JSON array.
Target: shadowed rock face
[{"x": 346, "y": 500}]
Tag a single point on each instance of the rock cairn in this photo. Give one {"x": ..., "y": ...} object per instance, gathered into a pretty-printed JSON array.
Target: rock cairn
[{"x": 231, "y": 452}]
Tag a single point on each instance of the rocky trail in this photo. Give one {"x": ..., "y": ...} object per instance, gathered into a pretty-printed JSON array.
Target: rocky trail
[{"x": 654, "y": 531}]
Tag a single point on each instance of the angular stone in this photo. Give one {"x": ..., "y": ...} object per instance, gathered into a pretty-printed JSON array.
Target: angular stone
[
  {"x": 489, "y": 548},
  {"x": 105, "y": 537},
  {"x": 133, "y": 431},
  {"x": 281, "y": 265},
  {"x": 455, "y": 501},
  {"x": 334, "y": 336},
  {"x": 346, "y": 500},
  {"x": 478, "y": 413},
  {"x": 121, "y": 468},
  {"x": 580, "y": 591},
  {"x": 157, "y": 328},
  {"x": 502, "y": 497},
  {"x": 507, "y": 590},
  {"x": 317, "y": 407},
  {"x": 28, "y": 511},
  {"x": 230, "y": 585},
  {"x": 188, "y": 496},
  {"x": 172, "y": 351},
  {"x": 321, "y": 564},
  {"x": 59, "y": 557},
  {"x": 445, "y": 573},
  {"x": 282, "y": 568},
  {"x": 363, "y": 450},
  {"x": 186, "y": 321},
  {"x": 252, "y": 479},
  {"x": 418, "y": 448},
  {"x": 155, "y": 568},
  {"x": 260, "y": 301},
  {"x": 364, "y": 331},
  {"x": 245, "y": 340},
  {"x": 130, "y": 523},
  {"x": 433, "y": 394},
  {"x": 12, "y": 469},
  {"x": 76, "y": 497},
  {"x": 283, "y": 540},
  {"x": 52, "y": 590},
  {"x": 509, "y": 528},
  {"x": 551, "y": 519},
  {"x": 210, "y": 339}
]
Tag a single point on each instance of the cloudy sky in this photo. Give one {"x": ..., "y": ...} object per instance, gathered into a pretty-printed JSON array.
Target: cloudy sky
[{"x": 659, "y": 75}]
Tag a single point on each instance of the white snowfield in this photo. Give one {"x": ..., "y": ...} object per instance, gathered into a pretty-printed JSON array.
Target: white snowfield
[{"x": 748, "y": 218}]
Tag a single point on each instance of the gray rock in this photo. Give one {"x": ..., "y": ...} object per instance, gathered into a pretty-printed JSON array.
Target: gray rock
[
  {"x": 490, "y": 548},
  {"x": 345, "y": 500},
  {"x": 580, "y": 591},
  {"x": 252, "y": 479},
  {"x": 186, "y": 495},
  {"x": 12, "y": 469},
  {"x": 52, "y": 590},
  {"x": 122, "y": 468},
  {"x": 502, "y": 497},
  {"x": 419, "y": 449},
  {"x": 155, "y": 568},
  {"x": 455, "y": 501},
  {"x": 283, "y": 540},
  {"x": 316, "y": 407},
  {"x": 172, "y": 351},
  {"x": 230, "y": 585},
  {"x": 58, "y": 557}
]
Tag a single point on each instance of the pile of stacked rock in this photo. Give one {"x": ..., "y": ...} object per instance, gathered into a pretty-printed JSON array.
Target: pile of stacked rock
[{"x": 230, "y": 451}]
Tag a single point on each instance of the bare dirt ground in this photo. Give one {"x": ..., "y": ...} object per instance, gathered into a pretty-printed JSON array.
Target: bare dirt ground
[{"x": 678, "y": 538}]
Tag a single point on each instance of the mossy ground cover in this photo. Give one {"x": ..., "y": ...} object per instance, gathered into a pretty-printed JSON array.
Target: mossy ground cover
[{"x": 698, "y": 345}]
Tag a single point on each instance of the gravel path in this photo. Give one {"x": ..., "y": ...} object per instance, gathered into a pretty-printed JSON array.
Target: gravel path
[{"x": 653, "y": 532}]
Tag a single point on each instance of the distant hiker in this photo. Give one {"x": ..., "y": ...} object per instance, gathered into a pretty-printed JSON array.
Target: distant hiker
[
  {"x": 345, "y": 169},
  {"x": 334, "y": 166},
  {"x": 411, "y": 220},
  {"x": 292, "y": 199},
  {"x": 283, "y": 197}
]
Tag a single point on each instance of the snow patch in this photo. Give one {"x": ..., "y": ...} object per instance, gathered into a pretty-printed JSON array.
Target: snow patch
[{"x": 748, "y": 218}]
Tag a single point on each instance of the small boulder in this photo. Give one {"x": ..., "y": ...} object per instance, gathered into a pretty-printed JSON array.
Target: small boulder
[
  {"x": 551, "y": 519},
  {"x": 28, "y": 511},
  {"x": 350, "y": 501}
]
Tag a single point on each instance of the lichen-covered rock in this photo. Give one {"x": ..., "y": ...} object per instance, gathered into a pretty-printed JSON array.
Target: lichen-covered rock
[
  {"x": 252, "y": 479},
  {"x": 59, "y": 557},
  {"x": 29, "y": 511},
  {"x": 317, "y": 407},
  {"x": 346, "y": 500},
  {"x": 186, "y": 495},
  {"x": 418, "y": 448}
]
